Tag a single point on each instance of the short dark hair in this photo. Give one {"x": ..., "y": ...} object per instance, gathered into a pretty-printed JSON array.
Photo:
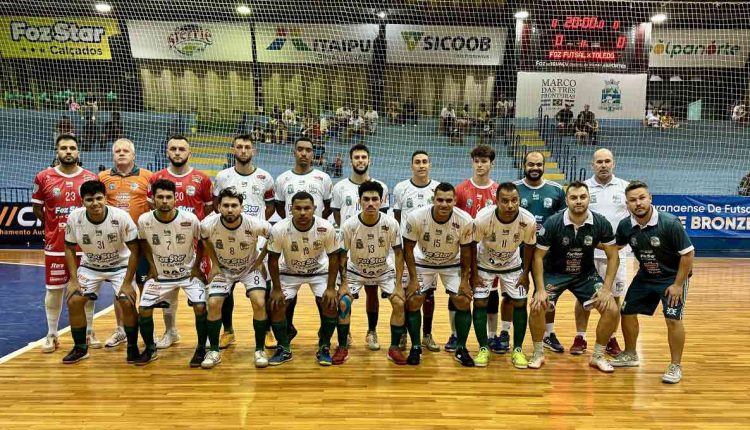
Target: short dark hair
[
  {"x": 178, "y": 137},
  {"x": 163, "y": 184},
  {"x": 634, "y": 185},
  {"x": 526, "y": 157},
  {"x": 90, "y": 188},
  {"x": 65, "y": 137},
  {"x": 303, "y": 139},
  {"x": 242, "y": 137},
  {"x": 445, "y": 187},
  {"x": 576, "y": 184},
  {"x": 483, "y": 151},
  {"x": 359, "y": 147},
  {"x": 419, "y": 152},
  {"x": 370, "y": 186},
  {"x": 505, "y": 186},
  {"x": 302, "y": 195},
  {"x": 230, "y": 192}
]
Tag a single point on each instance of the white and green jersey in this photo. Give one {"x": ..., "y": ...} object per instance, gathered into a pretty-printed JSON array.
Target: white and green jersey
[
  {"x": 498, "y": 242},
  {"x": 172, "y": 243},
  {"x": 408, "y": 197},
  {"x": 303, "y": 253},
  {"x": 346, "y": 198},
  {"x": 104, "y": 243},
  {"x": 256, "y": 189},
  {"x": 438, "y": 244},
  {"x": 315, "y": 182},
  {"x": 237, "y": 248},
  {"x": 369, "y": 246}
]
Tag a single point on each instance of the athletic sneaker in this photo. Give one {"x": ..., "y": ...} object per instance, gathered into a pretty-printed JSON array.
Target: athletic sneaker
[
  {"x": 261, "y": 360},
  {"x": 415, "y": 356},
  {"x": 372, "y": 341},
  {"x": 429, "y": 343},
  {"x": 270, "y": 340},
  {"x": 518, "y": 358},
  {"x": 93, "y": 342},
  {"x": 324, "y": 356},
  {"x": 537, "y": 360},
  {"x": 133, "y": 354},
  {"x": 451, "y": 345},
  {"x": 226, "y": 339},
  {"x": 626, "y": 359},
  {"x": 147, "y": 356},
  {"x": 51, "y": 343},
  {"x": 170, "y": 338},
  {"x": 280, "y": 357},
  {"x": 492, "y": 342},
  {"x": 551, "y": 342},
  {"x": 673, "y": 375},
  {"x": 212, "y": 359},
  {"x": 118, "y": 337},
  {"x": 463, "y": 357},
  {"x": 198, "y": 356},
  {"x": 613, "y": 348},
  {"x": 402, "y": 342},
  {"x": 340, "y": 356},
  {"x": 579, "y": 345},
  {"x": 598, "y": 361},
  {"x": 75, "y": 355},
  {"x": 292, "y": 332},
  {"x": 503, "y": 342},
  {"x": 483, "y": 357},
  {"x": 396, "y": 356}
]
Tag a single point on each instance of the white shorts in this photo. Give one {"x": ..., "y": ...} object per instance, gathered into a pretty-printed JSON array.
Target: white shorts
[
  {"x": 405, "y": 280},
  {"x": 222, "y": 283},
  {"x": 620, "y": 286},
  {"x": 156, "y": 293},
  {"x": 508, "y": 283},
  {"x": 290, "y": 284},
  {"x": 449, "y": 276},
  {"x": 91, "y": 281},
  {"x": 386, "y": 282}
]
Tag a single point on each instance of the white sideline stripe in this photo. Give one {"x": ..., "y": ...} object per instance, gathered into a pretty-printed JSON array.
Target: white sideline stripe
[
  {"x": 39, "y": 342},
  {"x": 22, "y": 264}
]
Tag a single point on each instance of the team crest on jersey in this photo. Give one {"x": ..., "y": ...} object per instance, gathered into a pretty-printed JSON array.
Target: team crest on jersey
[
  {"x": 493, "y": 237},
  {"x": 593, "y": 198},
  {"x": 219, "y": 244},
  {"x": 56, "y": 192},
  {"x": 317, "y": 245},
  {"x": 112, "y": 186},
  {"x": 565, "y": 241},
  {"x": 408, "y": 228},
  {"x": 295, "y": 247},
  {"x": 360, "y": 244},
  {"x": 255, "y": 189},
  {"x": 655, "y": 242},
  {"x": 588, "y": 240},
  {"x": 516, "y": 237},
  {"x": 633, "y": 241},
  {"x": 155, "y": 239},
  {"x": 133, "y": 186},
  {"x": 112, "y": 237},
  {"x": 348, "y": 200},
  {"x": 547, "y": 202},
  {"x": 409, "y": 203},
  {"x": 290, "y": 189},
  {"x": 86, "y": 239},
  {"x": 426, "y": 237},
  {"x": 190, "y": 190},
  {"x": 381, "y": 241},
  {"x": 449, "y": 239},
  {"x": 524, "y": 203},
  {"x": 180, "y": 238},
  {"x": 469, "y": 203}
]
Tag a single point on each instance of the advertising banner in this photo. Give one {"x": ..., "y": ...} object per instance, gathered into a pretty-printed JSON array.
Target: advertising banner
[
  {"x": 187, "y": 40},
  {"x": 19, "y": 225},
  {"x": 438, "y": 44},
  {"x": 709, "y": 216},
  {"x": 315, "y": 43},
  {"x": 713, "y": 48}
]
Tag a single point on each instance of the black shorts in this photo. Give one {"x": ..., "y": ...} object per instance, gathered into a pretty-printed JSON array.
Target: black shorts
[
  {"x": 582, "y": 286},
  {"x": 644, "y": 296}
]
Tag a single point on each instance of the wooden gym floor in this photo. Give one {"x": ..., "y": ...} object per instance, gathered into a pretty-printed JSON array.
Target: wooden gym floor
[{"x": 368, "y": 392}]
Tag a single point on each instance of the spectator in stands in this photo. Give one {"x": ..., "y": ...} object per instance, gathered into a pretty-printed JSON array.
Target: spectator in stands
[
  {"x": 64, "y": 126},
  {"x": 290, "y": 116},
  {"x": 338, "y": 166},
  {"x": 410, "y": 112},
  {"x": 564, "y": 120},
  {"x": 744, "y": 189},
  {"x": 394, "y": 112},
  {"x": 91, "y": 106},
  {"x": 114, "y": 129},
  {"x": 586, "y": 126},
  {"x": 343, "y": 115},
  {"x": 258, "y": 135},
  {"x": 652, "y": 118},
  {"x": 447, "y": 120},
  {"x": 272, "y": 128},
  {"x": 73, "y": 105},
  {"x": 503, "y": 107},
  {"x": 667, "y": 121},
  {"x": 464, "y": 120},
  {"x": 356, "y": 128},
  {"x": 739, "y": 114},
  {"x": 371, "y": 120},
  {"x": 484, "y": 123},
  {"x": 319, "y": 153}
]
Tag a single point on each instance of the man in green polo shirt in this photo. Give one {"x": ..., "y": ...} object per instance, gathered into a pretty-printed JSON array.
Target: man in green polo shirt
[
  {"x": 564, "y": 260},
  {"x": 665, "y": 258}
]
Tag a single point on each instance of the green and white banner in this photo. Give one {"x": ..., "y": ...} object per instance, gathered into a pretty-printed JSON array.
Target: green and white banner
[{"x": 438, "y": 44}]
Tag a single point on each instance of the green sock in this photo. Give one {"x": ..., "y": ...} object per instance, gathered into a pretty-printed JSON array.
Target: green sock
[
  {"x": 396, "y": 332},
  {"x": 327, "y": 327},
  {"x": 268, "y": 286},
  {"x": 520, "y": 319},
  {"x": 281, "y": 331},
  {"x": 480, "y": 326},
  {"x": 214, "y": 330},
  {"x": 260, "y": 327},
  {"x": 201, "y": 326},
  {"x": 227, "y": 308},
  {"x": 413, "y": 325},
  {"x": 463, "y": 325},
  {"x": 132, "y": 334},
  {"x": 146, "y": 325},
  {"x": 343, "y": 330},
  {"x": 79, "y": 337}
]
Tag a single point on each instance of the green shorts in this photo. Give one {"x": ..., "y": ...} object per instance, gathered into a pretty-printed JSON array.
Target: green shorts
[
  {"x": 582, "y": 286},
  {"x": 644, "y": 296}
]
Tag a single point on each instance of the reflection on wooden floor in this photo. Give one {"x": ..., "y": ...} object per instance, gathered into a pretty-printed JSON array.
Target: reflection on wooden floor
[{"x": 368, "y": 392}]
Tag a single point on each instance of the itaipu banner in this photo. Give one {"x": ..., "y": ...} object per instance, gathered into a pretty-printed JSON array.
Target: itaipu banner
[
  {"x": 609, "y": 95},
  {"x": 190, "y": 40},
  {"x": 709, "y": 216},
  {"x": 442, "y": 44},
  {"x": 56, "y": 38},
  {"x": 315, "y": 43}
]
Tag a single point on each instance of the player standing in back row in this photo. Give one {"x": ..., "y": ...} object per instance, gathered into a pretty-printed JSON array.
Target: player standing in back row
[{"x": 55, "y": 196}]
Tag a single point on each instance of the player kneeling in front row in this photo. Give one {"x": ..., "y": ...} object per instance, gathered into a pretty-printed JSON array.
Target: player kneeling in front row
[
  {"x": 564, "y": 259},
  {"x": 367, "y": 239},
  {"x": 109, "y": 241},
  {"x": 499, "y": 232},
  {"x": 438, "y": 242},
  {"x": 168, "y": 237},
  {"x": 303, "y": 249},
  {"x": 231, "y": 239},
  {"x": 665, "y": 257}
]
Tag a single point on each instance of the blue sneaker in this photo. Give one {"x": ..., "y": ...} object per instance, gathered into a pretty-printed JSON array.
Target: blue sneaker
[
  {"x": 492, "y": 344},
  {"x": 280, "y": 357},
  {"x": 451, "y": 345},
  {"x": 551, "y": 342},
  {"x": 503, "y": 342},
  {"x": 324, "y": 356}
]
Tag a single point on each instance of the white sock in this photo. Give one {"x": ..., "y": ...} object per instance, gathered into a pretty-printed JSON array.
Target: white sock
[
  {"x": 89, "y": 309},
  {"x": 539, "y": 348},
  {"x": 549, "y": 328},
  {"x": 582, "y": 334},
  {"x": 171, "y": 312},
  {"x": 491, "y": 325},
  {"x": 452, "y": 318},
  {"x": 506, "y": 325},
  {"x": 613, "y": 336},
  {"x": 53, "y": 303},
  {"x": 599, "y": 349}
]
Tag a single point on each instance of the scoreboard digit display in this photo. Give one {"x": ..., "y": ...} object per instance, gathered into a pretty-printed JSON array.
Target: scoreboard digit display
[{"x": 584, "y": 38}]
